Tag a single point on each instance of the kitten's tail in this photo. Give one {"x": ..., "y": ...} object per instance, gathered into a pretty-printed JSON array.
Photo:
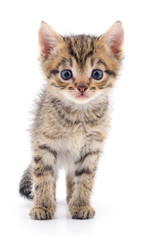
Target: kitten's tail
[{"x": 26, "y": 184}]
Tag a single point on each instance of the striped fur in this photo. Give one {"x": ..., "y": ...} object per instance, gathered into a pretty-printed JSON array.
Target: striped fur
[
  {"x": 69, "y": 127},
  {"x": 26, "y": 184}
]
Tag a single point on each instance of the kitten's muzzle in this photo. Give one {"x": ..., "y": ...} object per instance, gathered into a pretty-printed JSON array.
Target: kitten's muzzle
[{"x": 82, "y": 88}]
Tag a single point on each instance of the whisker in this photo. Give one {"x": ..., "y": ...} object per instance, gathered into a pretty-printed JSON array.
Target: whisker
[{"x": 91, "y": 91}]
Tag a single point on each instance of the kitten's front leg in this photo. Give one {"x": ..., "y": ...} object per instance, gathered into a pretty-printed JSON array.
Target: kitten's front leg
[
  {"x": 79, "y": 204},
  {"x": 44, "y": 179}
]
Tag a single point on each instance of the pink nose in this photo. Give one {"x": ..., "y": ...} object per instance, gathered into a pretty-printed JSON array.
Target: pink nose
[{"x": 82, "y": 89}]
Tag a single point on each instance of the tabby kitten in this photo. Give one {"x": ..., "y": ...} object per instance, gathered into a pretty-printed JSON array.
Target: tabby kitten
[{"x": 71, "y": 118}]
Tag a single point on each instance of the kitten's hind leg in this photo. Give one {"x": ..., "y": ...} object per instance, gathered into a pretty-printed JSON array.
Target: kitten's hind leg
[{"x": 69, "y": 187}]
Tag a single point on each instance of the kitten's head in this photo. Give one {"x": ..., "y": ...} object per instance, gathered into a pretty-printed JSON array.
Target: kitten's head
[{"x": 81, "y": 68}]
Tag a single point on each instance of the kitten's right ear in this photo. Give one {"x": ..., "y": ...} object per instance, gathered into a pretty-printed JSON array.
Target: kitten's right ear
[{"x": 48, "y": 40}]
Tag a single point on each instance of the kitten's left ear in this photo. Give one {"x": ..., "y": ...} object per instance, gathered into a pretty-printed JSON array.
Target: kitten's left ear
[
  {"x": 114, "y": 39},
  {"x": 48, "y": 41}
]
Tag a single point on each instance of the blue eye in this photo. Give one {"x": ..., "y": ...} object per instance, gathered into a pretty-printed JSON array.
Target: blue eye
[
  {"x": 97, "y": 74},
  {"x": 66, "y": 74}
]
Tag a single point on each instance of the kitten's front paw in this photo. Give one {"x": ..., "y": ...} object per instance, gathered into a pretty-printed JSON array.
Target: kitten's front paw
[
  {"x": 41, "y": 213},
  {"x": 85, "y": 212}
]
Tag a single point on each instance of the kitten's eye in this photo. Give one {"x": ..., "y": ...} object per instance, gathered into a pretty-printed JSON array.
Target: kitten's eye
[
  {"x": 66, "y": 74},
  {"x": 97, "y": 74}
]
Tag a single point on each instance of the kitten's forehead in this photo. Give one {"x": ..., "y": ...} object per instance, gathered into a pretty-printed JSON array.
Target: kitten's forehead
[{"x": 81, "y": 47}]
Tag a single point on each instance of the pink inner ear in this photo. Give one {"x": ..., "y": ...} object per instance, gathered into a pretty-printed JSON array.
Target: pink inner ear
[
  {"x": 46, "y": 41},
  {"x": 116, "y": 41},
  {"x": 116, "y": 46}
]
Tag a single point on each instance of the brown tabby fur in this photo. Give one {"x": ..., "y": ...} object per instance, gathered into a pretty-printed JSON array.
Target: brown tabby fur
[{"x": 68, "y": 132}]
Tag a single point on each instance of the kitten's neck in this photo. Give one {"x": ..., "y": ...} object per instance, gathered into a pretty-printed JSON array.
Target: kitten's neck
[
  {"x": 94, "y": 103},
  {"x": 75, "y": 113}
]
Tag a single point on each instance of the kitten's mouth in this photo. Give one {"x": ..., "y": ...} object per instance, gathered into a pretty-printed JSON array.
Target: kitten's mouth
[{"x": 82, "y": 96}]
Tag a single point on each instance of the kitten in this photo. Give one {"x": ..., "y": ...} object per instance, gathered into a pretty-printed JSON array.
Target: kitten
[{"x": 71, "y": 118}]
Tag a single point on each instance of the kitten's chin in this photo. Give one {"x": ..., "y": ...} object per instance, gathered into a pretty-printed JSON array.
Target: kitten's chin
[{"x": 79, "y": 99}]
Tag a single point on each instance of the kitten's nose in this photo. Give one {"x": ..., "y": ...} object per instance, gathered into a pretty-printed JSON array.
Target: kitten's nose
[{"x": 82, "y": 89}]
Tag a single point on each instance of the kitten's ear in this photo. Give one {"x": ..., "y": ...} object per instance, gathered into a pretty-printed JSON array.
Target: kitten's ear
[
  {"x": 114, "y": 39},
  {"x": 48, "y": 40}
]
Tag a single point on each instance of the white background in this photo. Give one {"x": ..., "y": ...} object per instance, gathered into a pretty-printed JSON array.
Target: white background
[{"x": 121, "y": 190}]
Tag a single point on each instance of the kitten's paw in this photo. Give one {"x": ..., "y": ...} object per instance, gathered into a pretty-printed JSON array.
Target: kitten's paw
[
  {"x": 41, "y": 213},
  {"x": 85, "y": 212}
]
